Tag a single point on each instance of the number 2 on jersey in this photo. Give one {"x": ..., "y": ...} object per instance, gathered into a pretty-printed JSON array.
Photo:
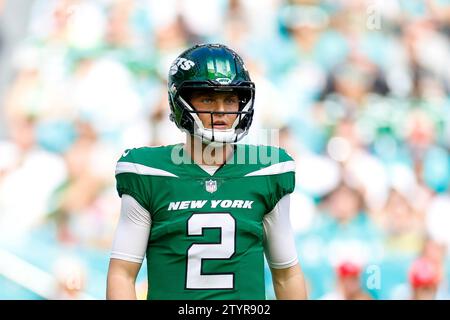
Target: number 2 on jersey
[{"x": 198, "y": 252}]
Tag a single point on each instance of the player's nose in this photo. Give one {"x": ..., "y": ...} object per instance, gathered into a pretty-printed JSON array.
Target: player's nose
[{"x": 220, "y": 106}]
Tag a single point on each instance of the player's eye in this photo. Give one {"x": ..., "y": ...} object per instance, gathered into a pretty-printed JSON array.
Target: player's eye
[
  {"x": 207, "y": 100},
  {"x": 232, "y": 100}
]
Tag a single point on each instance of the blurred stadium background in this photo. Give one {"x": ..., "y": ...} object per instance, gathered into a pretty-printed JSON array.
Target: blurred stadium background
[{"x": 360, "y": 91}]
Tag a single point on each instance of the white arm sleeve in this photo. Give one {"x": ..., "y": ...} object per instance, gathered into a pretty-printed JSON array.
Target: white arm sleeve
[
  {"x": 279, "y": 244},
  {"x": 133, "y": 230}
]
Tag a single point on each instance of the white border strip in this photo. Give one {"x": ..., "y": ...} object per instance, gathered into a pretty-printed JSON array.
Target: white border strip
[
  {"x": 278, "y": 168},
  {"x": 130, "y": 167}
]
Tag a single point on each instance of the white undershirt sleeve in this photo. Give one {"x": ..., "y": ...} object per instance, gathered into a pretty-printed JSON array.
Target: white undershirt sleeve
[
  {"x": 133, "y": 230},
  {"x": 279, "y": 243}
]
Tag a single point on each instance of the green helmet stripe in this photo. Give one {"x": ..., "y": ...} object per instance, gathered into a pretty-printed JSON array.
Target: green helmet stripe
[{"x": 218, "y": 68}]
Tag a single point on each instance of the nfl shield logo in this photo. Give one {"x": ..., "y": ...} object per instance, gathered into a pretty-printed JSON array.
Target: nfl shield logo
[{"x": 211, "y": 186}]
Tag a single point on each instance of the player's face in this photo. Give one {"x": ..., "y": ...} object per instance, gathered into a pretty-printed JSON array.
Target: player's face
[{"x": 209, "y": 100}]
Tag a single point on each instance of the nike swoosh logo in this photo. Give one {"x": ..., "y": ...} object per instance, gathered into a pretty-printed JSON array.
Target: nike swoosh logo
[{"x": 126, "y": 153}]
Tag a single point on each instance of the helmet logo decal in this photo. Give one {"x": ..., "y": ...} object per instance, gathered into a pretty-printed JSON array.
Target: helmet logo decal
[{"x": 182, "y": 63}]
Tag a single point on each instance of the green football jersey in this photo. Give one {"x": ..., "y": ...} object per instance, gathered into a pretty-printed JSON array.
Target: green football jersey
[{"x": 206, "y": 238}]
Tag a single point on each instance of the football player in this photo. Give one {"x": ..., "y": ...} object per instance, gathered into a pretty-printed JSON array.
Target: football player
[{"x": 205, "y": 212}]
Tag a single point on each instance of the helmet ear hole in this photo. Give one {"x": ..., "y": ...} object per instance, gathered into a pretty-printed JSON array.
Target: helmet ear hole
[{"x": 244, "y": 97}]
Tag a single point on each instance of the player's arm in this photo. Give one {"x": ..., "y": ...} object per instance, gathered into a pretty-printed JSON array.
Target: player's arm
[
  {"x": 281, "y": 254},
  {"x": 129, "y": 247},
  {"x": 122, "y": 279},
  {"x": 289, "y": 283}
]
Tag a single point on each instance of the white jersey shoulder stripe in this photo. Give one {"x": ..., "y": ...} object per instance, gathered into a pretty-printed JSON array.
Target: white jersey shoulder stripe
[
  {"x": 130, "y": 167},
  {"x": 278, "y": 168}
]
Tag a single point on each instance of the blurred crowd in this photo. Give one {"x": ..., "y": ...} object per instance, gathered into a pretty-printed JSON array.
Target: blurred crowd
[{"x": 359, "y": 91}]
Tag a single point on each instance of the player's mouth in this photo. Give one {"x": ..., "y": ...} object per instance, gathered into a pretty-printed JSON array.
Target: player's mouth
[{"x": 220, "y": 125}]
